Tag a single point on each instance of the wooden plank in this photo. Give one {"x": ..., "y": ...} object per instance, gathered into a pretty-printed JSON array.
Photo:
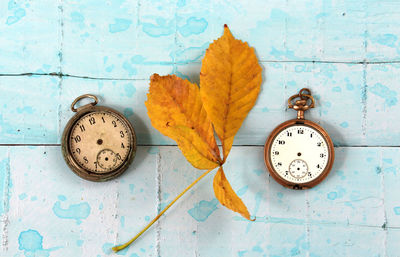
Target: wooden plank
[
  {"x": 353, "y": 104},
  {"x": 54, "y": 212},
  {"x": 303, "y": 223},
  {"x": 382, "y": 104},
  {"x": 137, "y": 38},
  {"x": 127, "y": 39},
  {"x": 30, "y": 36},
  {"x": 29, "y": 110},
  {"x": 74, "y": 217}
]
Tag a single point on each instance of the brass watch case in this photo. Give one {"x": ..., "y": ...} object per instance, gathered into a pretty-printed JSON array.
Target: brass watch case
[{"x": 65, "y": 143}]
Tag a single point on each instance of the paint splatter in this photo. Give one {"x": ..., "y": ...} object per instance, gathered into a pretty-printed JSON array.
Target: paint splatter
[
  {"x": 19, "y": 13},
  {"x": 31, "y": 242},
  {"x": 344, "y": 124},
  {"x": 78, "y": 18},
  {"x": 242, "y": 191},
  {"x": 25, "y": 109},
  {"x": 258, "y": 172},
  {"x": 22, "y": 196},
  {"x": 332, "y": 195},
  {"x": 131, "y": 188},
  {"x": 162, "y": 28},
  {"x": 62, "y": 197},
  {"x": 241, "y": 253},
  {"x": 257, "y": 249},
  {"x": 119, "y": 25},
  {"x": 128, "y": 112},
  {"x": 380, "y": 90},
  {"x": 77, "y": 212},
  {"x": 288, "y": 54},
  {"x": 396, "y": 210},
  {"x": 129, "y": 89},
  {"x": 129, "y": 68},
  {"x": 203, "y": 209},
  {"x": 181, "y": 3},
  {"x": 79, "y": 242},
  {"x": 122, "y": 221},
  {"x": 387, "y": 40},
  {"x": 107, "y": 248},
  {"x": 258, "y": 199},
  {"x": 189, "y": 55},
  {"x": 193, "y": 26}
]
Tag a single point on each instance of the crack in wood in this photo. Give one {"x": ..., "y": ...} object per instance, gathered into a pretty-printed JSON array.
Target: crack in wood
[{"x": 61, "y": 74}]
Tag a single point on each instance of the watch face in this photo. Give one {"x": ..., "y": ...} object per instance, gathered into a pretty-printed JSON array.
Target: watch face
[
  {"x": 100, "y": 141},
  {"x": 299, "y": 154}
]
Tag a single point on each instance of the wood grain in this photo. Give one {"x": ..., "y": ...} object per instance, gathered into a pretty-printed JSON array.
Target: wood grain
[{"x": 346, "y": 52}]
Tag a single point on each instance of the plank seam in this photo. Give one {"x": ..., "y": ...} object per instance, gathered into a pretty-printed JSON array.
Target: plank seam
[
  {"x": 159, "y": 145},
  {"x": 385, "y": 221},
  {"x": 6, "y": 204},
  {"x": 158, "y": 203},
  {"x": 290, "y": 221}
]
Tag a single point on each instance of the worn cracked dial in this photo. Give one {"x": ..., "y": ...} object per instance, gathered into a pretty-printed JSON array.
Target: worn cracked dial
[{"x": 100, "y": 141}]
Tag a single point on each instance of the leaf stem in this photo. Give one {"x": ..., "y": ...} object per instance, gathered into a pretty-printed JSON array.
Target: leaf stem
[{"x": 121, "y": 247}]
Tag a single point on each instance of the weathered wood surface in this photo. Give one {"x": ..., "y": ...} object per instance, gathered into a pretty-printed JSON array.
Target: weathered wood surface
[
  {"x": 353, "y": 213},
  {"x": 347, "y": 52}
]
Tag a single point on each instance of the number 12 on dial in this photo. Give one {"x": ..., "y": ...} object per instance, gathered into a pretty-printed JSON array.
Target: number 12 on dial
[{"x": 299, "y": 153}]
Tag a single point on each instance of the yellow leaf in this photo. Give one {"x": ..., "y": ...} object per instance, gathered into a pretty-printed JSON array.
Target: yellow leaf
[
  {"x": 226, "y": 196},
  {"x": 175, "y": 109},
  {"x": 230, "y": 81}
]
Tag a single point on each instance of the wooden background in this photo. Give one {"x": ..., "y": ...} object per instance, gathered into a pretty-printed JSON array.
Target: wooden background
[{"x": 346, "y": 52}]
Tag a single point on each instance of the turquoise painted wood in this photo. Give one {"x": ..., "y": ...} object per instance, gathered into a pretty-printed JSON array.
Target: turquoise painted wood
[{"x": 347, "y": 52}]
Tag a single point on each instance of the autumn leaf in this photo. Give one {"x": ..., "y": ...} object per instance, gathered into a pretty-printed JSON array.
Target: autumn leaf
[
  {"x": 230, "y": 80},
  {"x": 226, "y": 196},
  {"x": 175, "y": 109}
]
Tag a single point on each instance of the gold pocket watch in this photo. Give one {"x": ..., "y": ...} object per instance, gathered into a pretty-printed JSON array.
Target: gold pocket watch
[
  {"x": 98, "y": 143},
  {"x": 299, "y": 153}
]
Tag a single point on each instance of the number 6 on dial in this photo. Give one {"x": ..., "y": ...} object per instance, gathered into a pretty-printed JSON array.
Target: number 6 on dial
[{"x": 299, "y": 153}]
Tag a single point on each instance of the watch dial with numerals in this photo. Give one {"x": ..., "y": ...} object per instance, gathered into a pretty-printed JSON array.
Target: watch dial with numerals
[
  {"x": 100, "y": 141},
  {"x": 299, "y": 154}
]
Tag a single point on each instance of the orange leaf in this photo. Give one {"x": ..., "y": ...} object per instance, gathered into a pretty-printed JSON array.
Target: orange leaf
[
  {"x": 175, "y": 109},
  {"x": 230, "y": 81},
  {"x": 226, "y": 196}
]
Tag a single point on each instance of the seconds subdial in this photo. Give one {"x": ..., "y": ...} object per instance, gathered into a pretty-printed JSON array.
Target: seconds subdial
[{"x": 298, "y": 168}]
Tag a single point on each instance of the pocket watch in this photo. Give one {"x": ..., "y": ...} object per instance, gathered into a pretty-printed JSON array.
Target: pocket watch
[
  {"x": 299, "y": 153},
  {"x": 98, "y": 143}
]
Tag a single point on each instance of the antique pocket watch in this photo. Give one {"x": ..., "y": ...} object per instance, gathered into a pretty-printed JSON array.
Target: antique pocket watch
[
  {"x": 98, "y": 143},
  {"x": 299, "y": 153}
]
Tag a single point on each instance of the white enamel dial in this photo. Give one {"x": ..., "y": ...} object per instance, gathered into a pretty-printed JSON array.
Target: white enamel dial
[{"x": 299, "y": 154}]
